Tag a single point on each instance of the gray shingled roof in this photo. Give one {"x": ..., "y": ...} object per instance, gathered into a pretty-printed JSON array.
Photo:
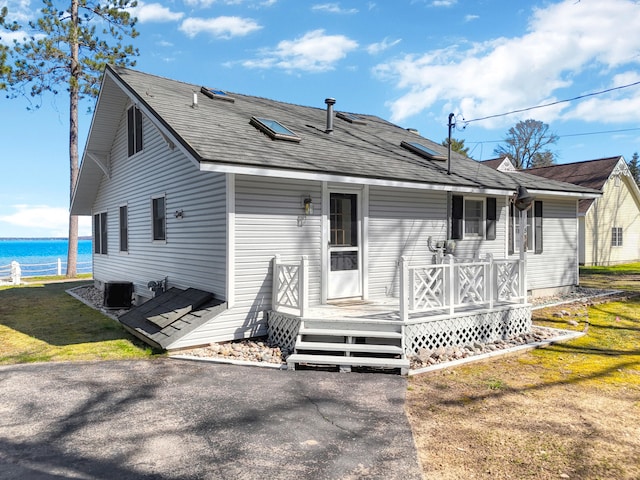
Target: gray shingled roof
[
  {"x": 219, "y": 132},
  {"x": 591, "y": 174}
]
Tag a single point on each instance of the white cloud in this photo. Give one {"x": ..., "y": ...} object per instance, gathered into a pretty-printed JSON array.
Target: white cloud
[
  {"x": 219, "y": 27},
  {"x": 471, "y": 18},
  {"x": 313, "y": 52},
  {"x": 155, "y": 12},
  {"x": 333, "y": 8},
  {"x": 379, "y": 47},
  {"x": 563, "y": 42},
  {"x": 209, "y": 3},
  {"x": 41, "y": 221},
  {"x": 443, "y": 3}
]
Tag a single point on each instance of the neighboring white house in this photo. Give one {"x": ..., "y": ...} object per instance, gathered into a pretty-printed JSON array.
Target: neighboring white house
[
  {"x": 205, "y": 188},
  {"x": 609, "y": 230}
]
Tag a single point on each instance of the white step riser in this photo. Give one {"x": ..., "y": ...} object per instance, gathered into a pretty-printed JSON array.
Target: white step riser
[
  {"x": 346, "y": 347},
  {"x": 347, "y": 325},
  {"x": 348, "y": 333}
]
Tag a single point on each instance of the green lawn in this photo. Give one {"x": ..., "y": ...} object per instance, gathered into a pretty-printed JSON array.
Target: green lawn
[{"x": 42, "y": 323}]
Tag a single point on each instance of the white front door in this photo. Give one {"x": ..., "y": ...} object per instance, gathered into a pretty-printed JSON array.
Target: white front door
[{"x": 345, "y": 259}]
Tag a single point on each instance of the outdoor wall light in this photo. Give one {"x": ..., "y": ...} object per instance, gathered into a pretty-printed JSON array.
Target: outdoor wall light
[
  {"x": 308, "y": 206},
  {"x": 179, "y": 214}
]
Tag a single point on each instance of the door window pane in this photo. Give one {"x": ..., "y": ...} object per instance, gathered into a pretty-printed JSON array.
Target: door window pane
[
  {"x": 344, "y": 261},
  {"x": 343, "y": 218}
]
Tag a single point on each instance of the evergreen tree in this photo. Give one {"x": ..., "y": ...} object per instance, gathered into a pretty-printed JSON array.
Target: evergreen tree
[
  {"x": 634, "y": 167},
  {"x": 65, "y": 47},
  {"x": 456, "y": 146},
  {"x": 525, "y": 144}
]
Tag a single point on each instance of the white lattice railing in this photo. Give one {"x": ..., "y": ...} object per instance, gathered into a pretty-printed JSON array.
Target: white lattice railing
[
  {"x": 450, "y": 285},
  {"x": 290, "y": 285}
]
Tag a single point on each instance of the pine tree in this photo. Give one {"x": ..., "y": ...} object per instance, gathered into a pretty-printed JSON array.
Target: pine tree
[
  {"x": 65, "y": 47},
  {"x": 634, "y": 167},
  {"x": 457, "y": 146}
]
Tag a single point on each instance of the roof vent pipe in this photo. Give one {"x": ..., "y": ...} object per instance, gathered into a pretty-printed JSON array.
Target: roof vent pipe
[
  {"x": 194, "y": 104},
  {"x": 330, "y": 103}
]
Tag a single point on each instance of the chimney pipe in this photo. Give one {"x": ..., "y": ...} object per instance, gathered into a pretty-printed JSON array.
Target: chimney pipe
[{"x": 330, "y": 103}]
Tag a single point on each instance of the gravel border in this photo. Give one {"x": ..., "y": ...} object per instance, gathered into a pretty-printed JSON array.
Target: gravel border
[{"x": 258, "y": 353}]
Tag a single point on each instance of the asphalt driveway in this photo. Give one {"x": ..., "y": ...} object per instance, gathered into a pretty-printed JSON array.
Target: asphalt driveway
[{"x": 170, "y": 419}]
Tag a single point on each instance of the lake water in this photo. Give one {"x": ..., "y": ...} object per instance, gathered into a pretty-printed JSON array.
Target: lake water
[{"x": 39, "y": 256}]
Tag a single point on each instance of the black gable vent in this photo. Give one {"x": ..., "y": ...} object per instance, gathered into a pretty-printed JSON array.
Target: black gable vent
[{"x": 217, "y": 94}]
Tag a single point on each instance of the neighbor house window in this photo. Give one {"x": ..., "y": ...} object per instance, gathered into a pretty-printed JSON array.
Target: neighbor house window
[
  {"x": 134, "y": 130},
  {"x": 616, "y": 237},
  {"x": 533, "y": 232},
  {"x": 100, "y": 233},
  {"x": 124, "y": 229},
  {"x": 473, "y": 218},
  {"x": 159, "y": 224}
]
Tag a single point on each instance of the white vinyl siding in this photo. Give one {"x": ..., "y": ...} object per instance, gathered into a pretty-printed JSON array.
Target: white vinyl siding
[
  {"x": 270, "y": 220},
  {"x": 194, "y": 254},
  {"x": 557, "y": 265}
]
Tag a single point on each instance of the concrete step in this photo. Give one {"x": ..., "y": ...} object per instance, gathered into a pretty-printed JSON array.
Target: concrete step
[
  {"x": 338, "y": 360},
  {"x": 349, "y": 347}
]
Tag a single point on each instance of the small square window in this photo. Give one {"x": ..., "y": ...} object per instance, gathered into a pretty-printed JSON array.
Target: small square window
[{"x": 159, "y": 216}]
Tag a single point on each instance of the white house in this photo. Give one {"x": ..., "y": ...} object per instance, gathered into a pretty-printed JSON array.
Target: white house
[{"x": 194, "y": 187}]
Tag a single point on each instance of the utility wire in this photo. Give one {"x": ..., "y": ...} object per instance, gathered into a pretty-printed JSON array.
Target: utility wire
[
  {"x": 569, "y": 135},
  {"x": 579, "y": 97}
]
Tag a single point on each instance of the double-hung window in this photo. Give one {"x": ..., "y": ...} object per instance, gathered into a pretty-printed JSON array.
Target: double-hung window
[
  {"x": 473, "y": 218},
  {"x": 616, "y": 237},
  {"x": 134, "y": 130},
  {"x": 100, "y": 233},
  {"x": 533, "y": 231},
  {"x": 159, "y": 218}
]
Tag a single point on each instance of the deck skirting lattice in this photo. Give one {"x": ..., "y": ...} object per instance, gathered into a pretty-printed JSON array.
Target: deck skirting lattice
[
  {"x": 481, "y": 327},
  {"x": 283, "y": 329}
]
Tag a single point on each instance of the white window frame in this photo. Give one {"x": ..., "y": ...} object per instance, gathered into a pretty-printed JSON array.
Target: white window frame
[
  {"x": 120, "y": 207},
  {"x": 153, "y": 218},
  {"x": 101, "y": 233},
  {"x": 617, "y": 237},
  {"x": 483, "y": 218},
  {"x": 531, "y": 230}
]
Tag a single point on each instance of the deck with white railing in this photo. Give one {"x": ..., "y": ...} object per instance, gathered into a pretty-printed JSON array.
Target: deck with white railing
[{"x": 452, "y": 303}]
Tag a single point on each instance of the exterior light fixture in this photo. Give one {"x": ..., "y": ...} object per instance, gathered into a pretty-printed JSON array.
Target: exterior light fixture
[
  {"x": 523, "y": 198},
  {"x": 179, "y": 214},
  {"x": 308, "y": 206}
]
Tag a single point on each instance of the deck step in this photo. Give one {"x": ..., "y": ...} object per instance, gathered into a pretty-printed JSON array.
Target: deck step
[
  {"x": 337, "y": 360},
  {"x": 337, "y": 332},
  {"x": 349, "y": 347}
]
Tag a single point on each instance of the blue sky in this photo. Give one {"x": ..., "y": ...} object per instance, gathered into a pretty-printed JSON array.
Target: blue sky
[{"x": 409, "y": 61}]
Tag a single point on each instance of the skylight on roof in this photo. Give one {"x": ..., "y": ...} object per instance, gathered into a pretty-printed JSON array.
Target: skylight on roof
[
  {"x": 217, "y": 94},
  {"x": 423, "y": 151},
  {"x": 274, "y": 129},
  {"x": 351, "y": 118}
]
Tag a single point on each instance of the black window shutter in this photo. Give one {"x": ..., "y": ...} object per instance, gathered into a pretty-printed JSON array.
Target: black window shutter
[
  {"x": 131, "y": 131},
  {"x": 456, "y": 216},
  {"x": 138, "y": 117},
  {"x": 537, "y": 207},
  {"x": 491, "y": 218}
]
